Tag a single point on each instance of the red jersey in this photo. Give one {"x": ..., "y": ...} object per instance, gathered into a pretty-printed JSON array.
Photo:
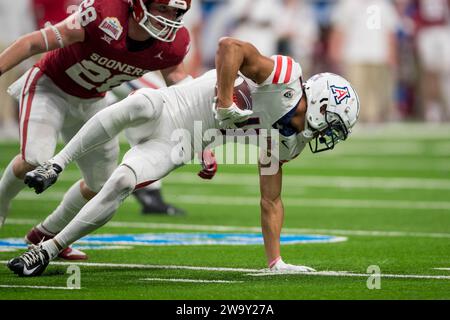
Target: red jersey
[
  {"x": 430, "y": 13},
  {"x": 107, "y": 57},
  {"x": 53, "y": 11}
]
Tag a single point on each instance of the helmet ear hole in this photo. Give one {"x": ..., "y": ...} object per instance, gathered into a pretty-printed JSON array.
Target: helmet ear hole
[{"x": 323, "y": 109}]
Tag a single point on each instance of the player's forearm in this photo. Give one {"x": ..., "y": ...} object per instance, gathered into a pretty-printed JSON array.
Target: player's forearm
[
  {"x": 272, "y": 215},
  {"x": 22, "y": 49},
  {"x": 229, "y": 59}
]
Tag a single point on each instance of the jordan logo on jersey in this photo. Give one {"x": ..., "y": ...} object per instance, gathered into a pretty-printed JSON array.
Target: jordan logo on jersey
[
  {"x": 112, "y": 27},
  {"x": 340, "y": 93}
]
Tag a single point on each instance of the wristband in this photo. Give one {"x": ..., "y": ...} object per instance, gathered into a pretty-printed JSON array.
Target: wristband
[
  {"x": 44, "y": 35},
  {"x": 58, "y": 35}
]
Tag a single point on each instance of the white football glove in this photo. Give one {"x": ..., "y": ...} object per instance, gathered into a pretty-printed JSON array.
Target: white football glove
[
  {"x": 228, "y": 117},
  {"x": 280, "y": 266}
]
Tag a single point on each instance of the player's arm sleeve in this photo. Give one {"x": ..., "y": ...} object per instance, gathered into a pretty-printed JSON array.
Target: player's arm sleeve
[
  {"x": 272, "y": 212},
  {"x": 285, "y": 70}
]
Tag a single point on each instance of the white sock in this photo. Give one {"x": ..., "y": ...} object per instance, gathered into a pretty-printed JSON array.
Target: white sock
[
  {"x": 51, "y": 248},
  {"x": 10, "y": 186},
  {"x": 71, "y": 204}
]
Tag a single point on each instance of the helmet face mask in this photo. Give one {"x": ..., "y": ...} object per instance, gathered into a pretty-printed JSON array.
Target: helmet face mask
[
  {"x": 327, "y": 139},
  {"x": 332, "y": 110},
  {"x": 150, "y": 22}
]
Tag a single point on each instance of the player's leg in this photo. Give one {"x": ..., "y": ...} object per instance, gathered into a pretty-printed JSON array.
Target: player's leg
[
  {"x": 92, "y": 216},
  {"x": 150, "y": 198},
  {"x": 96, "y": 212},
  {"x": 135, "y": 110},
  {"x": 142, "y": 165},
  {"x": 96, "y": 167},
  {"x": 41, "y": 118}
]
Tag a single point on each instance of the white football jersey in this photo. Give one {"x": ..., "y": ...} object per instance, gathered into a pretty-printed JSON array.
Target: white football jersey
[{"x": 274, "y": 103}]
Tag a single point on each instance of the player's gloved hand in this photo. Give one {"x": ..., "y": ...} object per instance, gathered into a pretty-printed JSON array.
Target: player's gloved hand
[
  {"x": 228, "y": 117},
  {"x": 281, "y": 266},
  {"x": 209, "y": 165}
]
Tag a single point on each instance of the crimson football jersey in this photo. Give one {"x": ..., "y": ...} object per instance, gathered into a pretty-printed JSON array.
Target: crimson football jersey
[
  {"x": 432, "y": 13},
  {"x": 52, "y": 11},
  {"x": 107, "y": 57}
]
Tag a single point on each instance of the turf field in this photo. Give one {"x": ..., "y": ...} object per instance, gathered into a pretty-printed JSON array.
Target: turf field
[{"x": 384, "y": 195}]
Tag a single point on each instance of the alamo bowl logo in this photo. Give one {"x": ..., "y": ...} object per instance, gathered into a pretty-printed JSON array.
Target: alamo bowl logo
[
  {"x": 112, "y": 27},
  {"x": 340, "y": 93}
]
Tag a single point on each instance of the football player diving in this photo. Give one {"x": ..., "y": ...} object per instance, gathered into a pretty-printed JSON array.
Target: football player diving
[{"x": 320, "y": 112}]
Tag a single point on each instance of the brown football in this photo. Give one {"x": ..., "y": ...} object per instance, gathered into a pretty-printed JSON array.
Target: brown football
[{"x": 242, "y": 95}]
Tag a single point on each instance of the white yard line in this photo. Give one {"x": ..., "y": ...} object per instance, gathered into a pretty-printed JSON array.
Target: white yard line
[
  {"x": 314, "y": 203},
  {"x": 149, "y": 266},
  {"x": 442, "y": 269},
  {"x": 290, "y": 201},
  {"x": 36, "y": 287},
  {"x": 217, "y": 228},
  {"x": 308, "y": 181},
  {"x": 348, "y": 274},
  {"x": 321, "y": 181},
  {"x": 250, "y": 272},
  {"x": 190, "y": 280}
]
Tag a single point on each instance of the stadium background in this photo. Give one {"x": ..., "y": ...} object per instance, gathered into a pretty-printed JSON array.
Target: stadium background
[{"x": 386, "y": 189}]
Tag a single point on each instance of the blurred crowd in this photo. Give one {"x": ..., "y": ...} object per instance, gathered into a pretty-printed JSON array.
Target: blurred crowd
[{"x": 395, "y": 52}]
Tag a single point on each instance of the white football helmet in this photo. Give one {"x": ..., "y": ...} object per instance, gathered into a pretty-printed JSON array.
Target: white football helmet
[{"x": 333, "y": 109}]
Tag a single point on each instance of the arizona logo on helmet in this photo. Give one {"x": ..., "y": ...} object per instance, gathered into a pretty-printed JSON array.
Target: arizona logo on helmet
[{"x": 340, "y": 93}]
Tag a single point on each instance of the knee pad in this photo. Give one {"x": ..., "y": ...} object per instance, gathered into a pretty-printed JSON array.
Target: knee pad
[
  {"x": 146, "y": 104},
  {"x": 121, "y": 183}
]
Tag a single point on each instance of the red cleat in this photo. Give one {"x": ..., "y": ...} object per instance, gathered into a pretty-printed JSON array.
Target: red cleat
[{"x": 35, "y": 236}]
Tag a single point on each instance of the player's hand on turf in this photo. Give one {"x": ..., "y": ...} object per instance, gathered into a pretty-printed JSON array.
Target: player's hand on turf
[
  {"x": 228, "y": 117},
  {"x": 42, "y": 177},
  {"x": 281, "y": 266},
  {"x": 209, "y": 165}
]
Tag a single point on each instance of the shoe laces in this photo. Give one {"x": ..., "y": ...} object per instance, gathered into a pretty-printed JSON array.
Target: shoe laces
[
  {"x": 33, "y": 255},
  {"x": 46, "y": 170}
]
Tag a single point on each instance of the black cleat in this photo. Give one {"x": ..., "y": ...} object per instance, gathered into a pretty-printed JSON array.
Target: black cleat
[
  {"x": 41, "y": 178},
  {"x": 30, "y": 264},
  {"x": 153, "y": 203}
]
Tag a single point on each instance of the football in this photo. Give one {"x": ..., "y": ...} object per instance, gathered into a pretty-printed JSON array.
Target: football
[{"x": 242, "y": 95}]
